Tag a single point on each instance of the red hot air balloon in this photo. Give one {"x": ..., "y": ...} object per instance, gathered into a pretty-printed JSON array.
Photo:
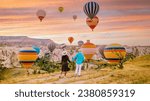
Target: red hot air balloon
[
  {"x": 70, "y": 39},
  {"x": 92, "y": 23},
  {"x": 41, "y": 14}
]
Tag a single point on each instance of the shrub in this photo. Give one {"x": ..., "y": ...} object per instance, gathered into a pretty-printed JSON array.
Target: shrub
[
  {"x": 2, "y": 68},
  {"x": 46, "y": 65}
]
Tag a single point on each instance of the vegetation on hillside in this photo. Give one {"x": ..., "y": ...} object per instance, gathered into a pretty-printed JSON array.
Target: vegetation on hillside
[{"x": 136, "y": 71}]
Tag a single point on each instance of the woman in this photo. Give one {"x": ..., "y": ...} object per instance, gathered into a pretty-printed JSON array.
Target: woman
[{"x": 64, "y": 61}]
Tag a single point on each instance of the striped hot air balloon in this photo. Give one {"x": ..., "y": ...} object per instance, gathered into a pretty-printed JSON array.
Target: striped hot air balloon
[
  {"x": 92, "y": 23},
  {"x": 88, "y": 49},
  {"x": 27, "y": 57},
  {"x": 114, "y": 53},
  {"x": 91, "y": 9},
  {"x": 51, "y": 46}
]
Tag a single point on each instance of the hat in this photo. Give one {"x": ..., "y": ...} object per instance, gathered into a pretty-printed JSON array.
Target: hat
[{"x": 64, "y": 53}]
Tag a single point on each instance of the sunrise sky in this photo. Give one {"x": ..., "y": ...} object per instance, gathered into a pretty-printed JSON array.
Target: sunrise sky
[{"x": 121, "y": 21}]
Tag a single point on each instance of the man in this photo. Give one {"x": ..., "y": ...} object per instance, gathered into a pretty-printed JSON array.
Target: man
[{"x": 79, "y": 58}]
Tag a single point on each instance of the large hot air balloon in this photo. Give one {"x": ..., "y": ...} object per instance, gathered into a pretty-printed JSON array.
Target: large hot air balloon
[
  {"x": 80, "y": 43},
  {"x": 88, "y": 49},
  {"x": 27, "y": 57},
  {"x": 91, "y": 9},
  {"x": 61, "y": 9},
  {"x": 41, "y": 14},
  {"x": 37, "y": 49},
  {"x": 92, "y": 23},
  {"x": 74, "y": 17},
  {"x": 51, "y": 46},
  {"x": 70, "y": 39},
  {"x": 114, "y": 53}
]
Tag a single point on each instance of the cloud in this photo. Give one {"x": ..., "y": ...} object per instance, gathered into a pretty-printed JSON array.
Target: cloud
[{"x": 131, "y": 18}]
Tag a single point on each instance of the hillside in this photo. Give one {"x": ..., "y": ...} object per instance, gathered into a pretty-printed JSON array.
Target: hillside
[
  {"x": 136, "y": 71},
  {"x": 22, "y": 41}
]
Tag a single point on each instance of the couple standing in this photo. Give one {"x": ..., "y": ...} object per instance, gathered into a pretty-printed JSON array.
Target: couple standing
[{"x": 78, "y": 58}]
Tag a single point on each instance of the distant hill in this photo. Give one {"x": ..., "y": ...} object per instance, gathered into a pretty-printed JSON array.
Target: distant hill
[{"x": 22, "y": 41}]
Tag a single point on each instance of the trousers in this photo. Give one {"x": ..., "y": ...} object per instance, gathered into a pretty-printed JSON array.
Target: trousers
[{"x": 78, "y": 69}]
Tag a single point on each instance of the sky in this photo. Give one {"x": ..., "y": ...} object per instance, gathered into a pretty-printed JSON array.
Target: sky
[{"x": 121, "y": 21}]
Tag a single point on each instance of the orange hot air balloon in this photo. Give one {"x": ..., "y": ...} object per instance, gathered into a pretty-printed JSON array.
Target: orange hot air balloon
[
  {"x": 27, "y": 57},
  {"x": 88, "y": 49},
  {"x": 41, "y": 14},
  {"x": 114, "y": 53},
  {"x": 70, "y": 39},
  {"x": 92, "y": 23},
  {"x": 61, "y": 9}
]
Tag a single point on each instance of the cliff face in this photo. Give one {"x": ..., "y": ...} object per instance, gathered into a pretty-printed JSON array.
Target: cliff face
[
  {"x": 9, "y": 57},
  {"x": 9, "y": 47},
  {"x": 22, "y": 41}
]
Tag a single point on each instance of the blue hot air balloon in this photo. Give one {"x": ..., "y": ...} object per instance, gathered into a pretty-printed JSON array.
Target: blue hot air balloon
[{"x": 37, "y": 49}]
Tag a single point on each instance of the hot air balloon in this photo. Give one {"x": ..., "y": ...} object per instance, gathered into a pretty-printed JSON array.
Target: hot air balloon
[
  {"x": 92, "y": 23},
  {"x": 27, "y": 57},
  {"x": 80, "y": 43},
  {"x": 61, "y": 9},
  {"x": 63, "y": 45},
  {"x": 37, "y": 49},
  {"x": 41, "y": 14},
  {"x": 51, "y": 46},
  {"x": 74, "y": 17},
  {"x": 91, "y": 9},
  {"x": 88, "y": 49},
  {"x": 114, "y": 53},
  {"x": 70, "y": 39}
]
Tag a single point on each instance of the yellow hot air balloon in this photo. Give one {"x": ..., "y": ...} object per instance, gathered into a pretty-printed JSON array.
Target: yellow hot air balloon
[
  {"x": 88, "y": 49},
  {"x": 114, "y": 53},
  {"x": 61, "y": 9},
  {"x": 27, "y": 57}
]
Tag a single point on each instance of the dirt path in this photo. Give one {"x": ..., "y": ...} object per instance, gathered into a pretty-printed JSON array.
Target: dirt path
[{"x": 54, "y": 78}]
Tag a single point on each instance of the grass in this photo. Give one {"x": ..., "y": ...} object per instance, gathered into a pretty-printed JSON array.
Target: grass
[{"x": 135, "y": 71}]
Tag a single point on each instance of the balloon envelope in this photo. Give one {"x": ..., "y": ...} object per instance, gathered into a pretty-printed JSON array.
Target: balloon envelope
[
  {"x": 92, "y": 23},
  {"x": 80, "y": 43},
  {"x": 41, "y": 14},
  {"x": 88, "y": 49},
  {"x": 114, "y": 53},
  {"x": 61, "y": 9},
  {"x": 74, "y": 17},
  {"x": 27, "y": 57},
  {"x": 70, "y": 39},
  {"x": 37, "y": 49},
  {"x": 91, "y": 9},
  {"x": 51, "y": 46}
]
